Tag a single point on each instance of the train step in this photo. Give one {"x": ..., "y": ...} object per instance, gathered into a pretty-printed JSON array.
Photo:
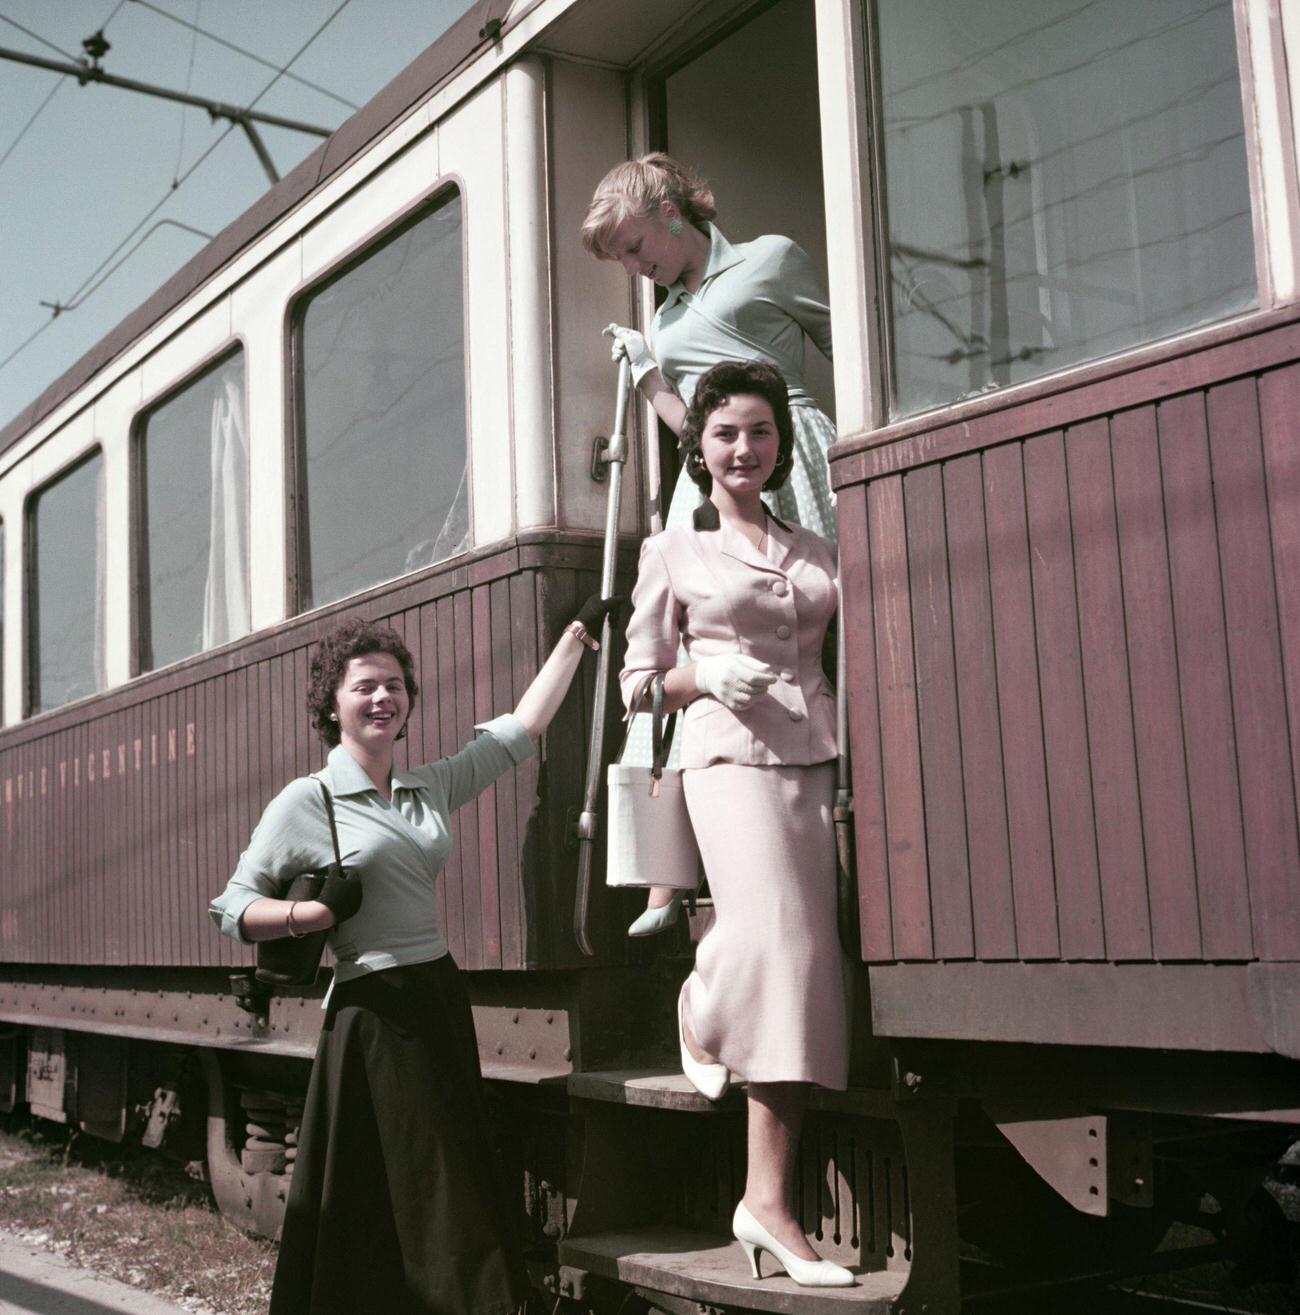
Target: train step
[
  {"x": 671, "y": 1090},
  {"x": 658, "y": 1171},
  {"x": 711, "y": 1270}
]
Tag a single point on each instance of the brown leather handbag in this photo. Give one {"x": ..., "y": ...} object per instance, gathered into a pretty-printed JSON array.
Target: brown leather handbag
[{"x": 295, "y": 961}]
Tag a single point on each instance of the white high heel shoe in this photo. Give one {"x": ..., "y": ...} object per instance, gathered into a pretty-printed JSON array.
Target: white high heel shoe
[
  {"x": 653, "y": 921},
  {"x": 710, "y": 1080},
  {"x": 753, "y": 1238}
]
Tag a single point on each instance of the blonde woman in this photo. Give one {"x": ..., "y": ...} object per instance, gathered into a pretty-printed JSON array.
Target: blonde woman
[{"x": 742, "y": 301}]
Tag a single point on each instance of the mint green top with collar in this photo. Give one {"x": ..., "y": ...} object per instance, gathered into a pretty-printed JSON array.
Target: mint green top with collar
[
  {"x": 396, "y": 847},
  {"x": 756, "y": 301}
]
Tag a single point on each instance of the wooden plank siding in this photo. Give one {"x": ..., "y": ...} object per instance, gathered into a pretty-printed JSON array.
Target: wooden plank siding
[
  {"x": 122, "y": 816},
  {"x": 1074, "y": 658}
]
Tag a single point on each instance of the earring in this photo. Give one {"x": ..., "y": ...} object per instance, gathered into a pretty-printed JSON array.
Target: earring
[
  {"x": 695, "y": 460},
  {"x": 781, "y": 460},
  {"x": 334, "y": 716},
  {"x": 675, "y": 227}
]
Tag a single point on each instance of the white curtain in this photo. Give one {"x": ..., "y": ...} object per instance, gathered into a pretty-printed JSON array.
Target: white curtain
[{"x": 225, "y": 595}]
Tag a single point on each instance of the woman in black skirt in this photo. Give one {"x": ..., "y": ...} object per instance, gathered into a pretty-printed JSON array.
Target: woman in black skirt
[{"x": 396, "y": 1205}]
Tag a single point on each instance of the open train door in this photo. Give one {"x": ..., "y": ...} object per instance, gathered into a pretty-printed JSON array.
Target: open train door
[{"x": 735, "y": 96}]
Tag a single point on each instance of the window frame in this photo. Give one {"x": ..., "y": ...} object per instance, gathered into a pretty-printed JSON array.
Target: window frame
[
  {"x": 849, "y": 50},
  {"x": 138, "y": 501},
  {"x": 31, "y": 583},
  {"x": 296, "y": 510},
  {"x": 889, "y": 381}
]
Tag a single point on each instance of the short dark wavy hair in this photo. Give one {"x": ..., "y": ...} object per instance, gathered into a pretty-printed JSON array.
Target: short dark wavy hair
[
  {"x": 718, "y": 386},
  {"x": 355, "y": 637}
]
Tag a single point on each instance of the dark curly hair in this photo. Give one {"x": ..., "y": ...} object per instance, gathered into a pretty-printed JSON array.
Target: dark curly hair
[
  {"x": 352, "y": 638},
  {"x": 719, "y": 385}
]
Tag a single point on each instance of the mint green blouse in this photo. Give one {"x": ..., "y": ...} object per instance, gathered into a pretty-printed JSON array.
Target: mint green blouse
[
  {"x": 756, "y": 301},
  {"x": 397, "y": 847}
]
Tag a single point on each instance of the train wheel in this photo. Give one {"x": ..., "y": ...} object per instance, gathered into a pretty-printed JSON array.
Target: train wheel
[{"x": 248, "y": 1188}]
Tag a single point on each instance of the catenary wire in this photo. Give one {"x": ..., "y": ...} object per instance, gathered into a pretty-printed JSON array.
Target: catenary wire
[
  {"x": 189, "y": 79},
  {"x": 22, "y": 132},
  {"x": 31, "y": 338},
  {"x": 36, "y": 36},
  {"x": 240, "y": 50}
]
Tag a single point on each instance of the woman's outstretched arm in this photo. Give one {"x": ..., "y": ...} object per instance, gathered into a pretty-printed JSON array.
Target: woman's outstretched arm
[{"x": 541, "y": 700}]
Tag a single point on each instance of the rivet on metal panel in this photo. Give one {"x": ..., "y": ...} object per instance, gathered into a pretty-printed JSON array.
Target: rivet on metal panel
[
  {"x": 501, "y": 1048},
  {"x": 532, "y": 1052},
  {"x": 550, "y": 1018},
  {"x": 514, "y": 1018},
  {"x": 568, "y": 1052}
]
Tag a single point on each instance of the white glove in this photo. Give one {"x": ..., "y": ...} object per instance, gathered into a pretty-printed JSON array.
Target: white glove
[
  {"x": 734, "y": 679},
  {"x": 630, "y": 343}
]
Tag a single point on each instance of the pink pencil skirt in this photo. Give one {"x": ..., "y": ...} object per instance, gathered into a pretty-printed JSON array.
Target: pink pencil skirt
[{"x": 768, "y": 995}]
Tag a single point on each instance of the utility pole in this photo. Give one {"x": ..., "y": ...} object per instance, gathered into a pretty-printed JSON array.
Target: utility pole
[{"x": 97, "y": 46}]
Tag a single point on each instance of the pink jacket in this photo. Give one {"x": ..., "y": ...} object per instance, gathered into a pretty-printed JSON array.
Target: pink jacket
[{"x": 709, "y": 587}]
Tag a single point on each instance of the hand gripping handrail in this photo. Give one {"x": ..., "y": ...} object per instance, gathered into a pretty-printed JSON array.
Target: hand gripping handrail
[{"x": 588, "y": 820}]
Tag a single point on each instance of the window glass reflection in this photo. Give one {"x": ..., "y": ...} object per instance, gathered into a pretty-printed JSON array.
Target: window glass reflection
[
  {"x": 382, "y": 355},
  {"x": 67, "y": 603},
  {"x": 1063, "y": 180},
  {"x": 193, "y": 490}
]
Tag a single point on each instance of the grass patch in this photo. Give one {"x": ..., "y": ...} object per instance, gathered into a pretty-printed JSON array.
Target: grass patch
[{"x": 129, "y": 1214}]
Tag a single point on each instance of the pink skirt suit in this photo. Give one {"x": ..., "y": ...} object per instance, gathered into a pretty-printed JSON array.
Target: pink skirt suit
[{"x": 767, "y": 996}]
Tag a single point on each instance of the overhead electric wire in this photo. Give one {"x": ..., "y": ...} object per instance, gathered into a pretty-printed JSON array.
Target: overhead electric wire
[
  {"x": 248, "y": 54},
  {"x": 189, "y": 79},
  {"x": 36, "y": 36},
  {"x": 284, "y": 69},
  {"x": 22, "y": 132},
  {"x": 58, "y": 307}
]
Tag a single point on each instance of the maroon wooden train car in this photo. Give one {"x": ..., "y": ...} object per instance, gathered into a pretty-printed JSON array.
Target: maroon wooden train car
[{"x": 1060, "y": 245}]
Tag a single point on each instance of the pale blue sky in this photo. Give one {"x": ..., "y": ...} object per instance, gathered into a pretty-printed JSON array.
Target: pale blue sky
[{"x": 97, "y": 159}]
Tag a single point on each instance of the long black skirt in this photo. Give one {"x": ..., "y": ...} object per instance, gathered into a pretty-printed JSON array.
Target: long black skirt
[{"x": 397, "y": 1202}]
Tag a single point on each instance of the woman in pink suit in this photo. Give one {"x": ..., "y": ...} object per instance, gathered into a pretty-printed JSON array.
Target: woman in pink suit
[{"x": 750, "y": 599}]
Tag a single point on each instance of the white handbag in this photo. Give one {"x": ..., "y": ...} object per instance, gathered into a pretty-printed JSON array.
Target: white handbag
[{"x": 650, "y": 838}]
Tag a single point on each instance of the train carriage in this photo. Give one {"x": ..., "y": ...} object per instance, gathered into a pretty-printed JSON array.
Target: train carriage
[{"x": 1060, "y": 241}]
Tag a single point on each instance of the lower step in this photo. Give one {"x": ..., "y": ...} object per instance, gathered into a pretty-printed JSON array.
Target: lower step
[{"x": 712, "y": 1270}]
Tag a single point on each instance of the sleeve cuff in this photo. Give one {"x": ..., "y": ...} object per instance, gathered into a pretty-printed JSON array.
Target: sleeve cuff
[
  {"x": 228, "y": 908},
  {"x": 509, "y": 731}
]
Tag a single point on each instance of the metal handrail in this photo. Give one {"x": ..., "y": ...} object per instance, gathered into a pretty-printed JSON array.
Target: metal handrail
[{"x": 588, "y": 820}]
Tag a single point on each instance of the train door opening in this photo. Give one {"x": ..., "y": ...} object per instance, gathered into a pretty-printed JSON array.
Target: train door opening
[{"x": 742, "y": 110}]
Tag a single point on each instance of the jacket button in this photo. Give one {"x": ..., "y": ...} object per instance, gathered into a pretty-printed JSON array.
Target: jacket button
[
  {"x": 783, "y": 632},
  {"x": 779, "y": 588},
  {"x": 796, "y": 714}
]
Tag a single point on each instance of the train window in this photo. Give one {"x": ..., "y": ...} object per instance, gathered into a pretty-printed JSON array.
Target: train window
[
  {"x": 380, "y": 365},
  {"x": 191, "y": 486},
  {"x": 65, "y": 595},
  {"x": 1061, "y": 181}
]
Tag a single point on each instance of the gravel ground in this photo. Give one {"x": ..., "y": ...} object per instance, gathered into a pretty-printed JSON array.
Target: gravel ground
[{"x": 132, "y": 1215}]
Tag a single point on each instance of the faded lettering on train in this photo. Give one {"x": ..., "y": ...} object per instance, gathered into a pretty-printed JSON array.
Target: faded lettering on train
[{"x": 99, "y": 765}]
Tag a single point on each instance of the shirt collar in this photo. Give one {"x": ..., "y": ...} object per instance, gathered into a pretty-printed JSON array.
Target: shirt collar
[
  {"x": 707, "y": 517},
  {"x": 722, "y": 255},
  {"x": 344, "y": 775}
]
